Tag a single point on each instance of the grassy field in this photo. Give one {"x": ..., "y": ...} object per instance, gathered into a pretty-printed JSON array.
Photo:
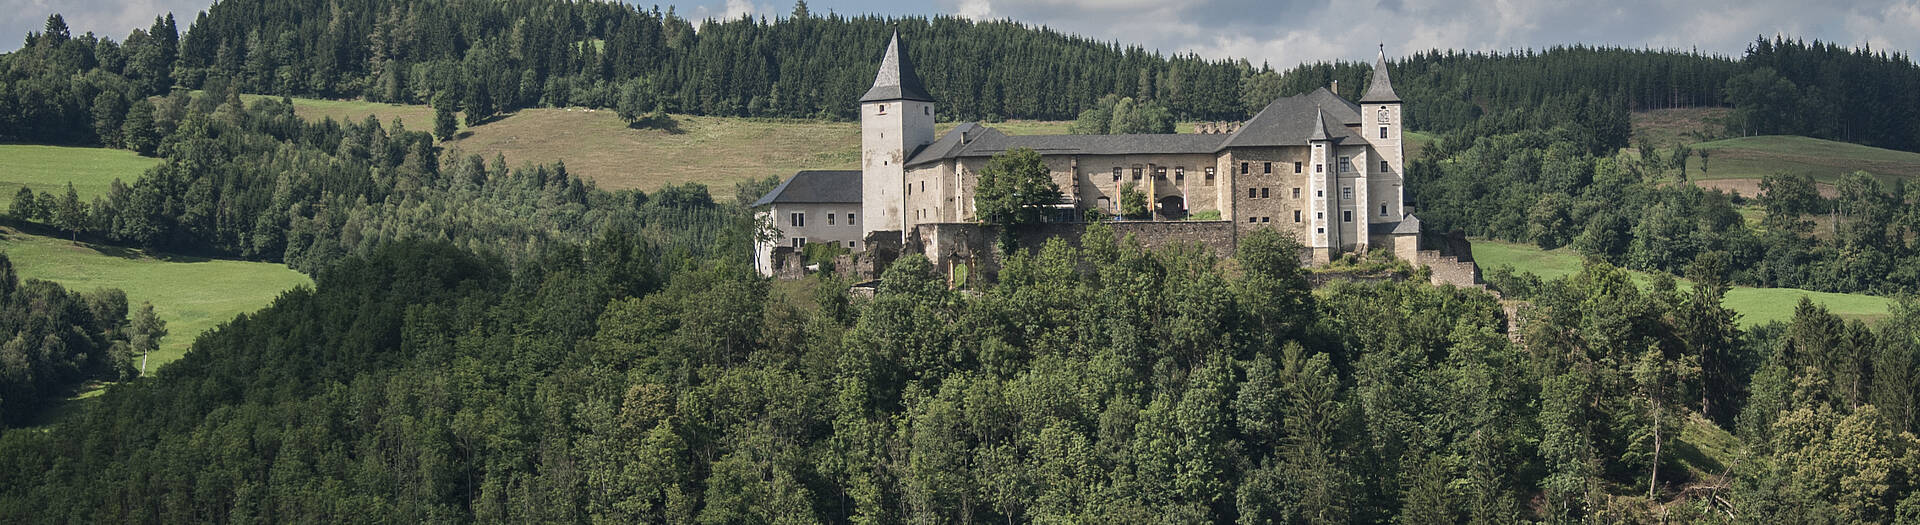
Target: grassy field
[
  {"x": 191, "y": 294},
  {"x": 1824, "y": 160},
  {"x": 418, "y": 117},
  {"x": 1755, "y": 305},
  {"x": 1416, "y": 143},
  {"x": 49, "y": 168},
  {"x": 1668, "y": 127},
  {"x": 597, "y": 144}
]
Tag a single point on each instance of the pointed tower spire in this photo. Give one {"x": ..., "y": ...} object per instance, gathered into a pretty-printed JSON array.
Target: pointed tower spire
[
  {"x": 1319, "y": 125},
  {"x": 896, "y": 80},
  {"x": 1381, "y": 91}
]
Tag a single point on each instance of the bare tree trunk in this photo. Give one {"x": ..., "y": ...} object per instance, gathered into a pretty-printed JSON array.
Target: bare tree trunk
[{"x": 1653, "y": 480}]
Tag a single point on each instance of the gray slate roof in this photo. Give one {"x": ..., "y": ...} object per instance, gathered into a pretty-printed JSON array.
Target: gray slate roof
[
  {"x": 1408, "y": 225},
  {"x": 950, "y": 145},
  {"x": 1291, "y": 121},
  {"x": 1381, "y": 89},
  {"x": 816, "y": 186},
  {"x": 896, "y": 80}
]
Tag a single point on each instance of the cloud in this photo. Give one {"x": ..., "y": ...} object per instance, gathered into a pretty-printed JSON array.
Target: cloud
[
  {"x": 107, "y": 18},
  {"x": 1289, "y": 32},
  {"x": 975, "y": 9}
]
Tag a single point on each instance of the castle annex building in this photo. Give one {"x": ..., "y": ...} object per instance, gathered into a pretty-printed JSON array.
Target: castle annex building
[{"x": 1327, "y": 170}]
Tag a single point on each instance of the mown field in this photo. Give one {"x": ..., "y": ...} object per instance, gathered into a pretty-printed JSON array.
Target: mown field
[
  {"x": 1824, "y": 160},
  {"x": 191, "y": 294},
  {"x": 49, "y": 168},
  {"x": 597, "y": 144},
  {"x": 1755, "y": 305}
]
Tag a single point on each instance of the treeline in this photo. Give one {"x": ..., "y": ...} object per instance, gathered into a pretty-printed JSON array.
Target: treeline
[
  {"x": 55, "y": 339},
  {"x": 487, "y": 58},
  {"x": 1558, "y": 175},
  {"x": 260, "y": 183},
  {"x": 498, "y": 56},
  {"x": 1105, "y": 382},
  {"x": 1825, "y": 90}
]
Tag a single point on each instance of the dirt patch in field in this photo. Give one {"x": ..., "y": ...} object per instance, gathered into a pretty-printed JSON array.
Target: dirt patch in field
[
  {"x": 1666, "y": 127},
  {"x": 1751, "y": 187}
]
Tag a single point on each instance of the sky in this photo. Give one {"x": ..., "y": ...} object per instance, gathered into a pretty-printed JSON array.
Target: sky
[{"x": 1280, "y": 33}]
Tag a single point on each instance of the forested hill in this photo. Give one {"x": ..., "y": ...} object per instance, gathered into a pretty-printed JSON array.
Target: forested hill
[{"x": 488, "y": 57}]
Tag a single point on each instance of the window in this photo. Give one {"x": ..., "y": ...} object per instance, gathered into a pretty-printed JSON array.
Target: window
[
  {"x": 1319, "y": 168},
  {"x": 1243, "y": 168},
  {"x": 883, "y": 109},
  {"x": 1179, "y": 173},
  {"x": 1346, "y": 216},
  {"x": 923, "y": 186},
  {"x": 1384, "y": 167},
  {"x": 1266, "y": 193},
  {"x": 853, "y": 244},
  {"x": 1319, "y": 215},
  {"x": 1253, "y": 193},
  {"x": 1296, "y": 215},
  {"x": 797, "y": 220},
  {"x": 1346, "y": 164},
  {"x": 1319, "y": 230},
  {"x": 928, "y": 110},
  {"x": 849, "y": 219},
  {"x": 1383, "y": 210},
  {"x": 799, "y": 243},
  {"x": 1319, "y": 193},
  {"x": 1160, "y": 173},
  {"x": 1251, "y": 220},
  {"x": 1383, "y": 132},
  {"x": 1116, "y": 174},
  {"x": 1266, "y": 219},
  {"x": 1136, "y": 172},
  {"x": 1296, "y": 167},
  {"x": 1209, "y": 176},
  {"x": 1268, "y": 168},
  {"x": 829, "y": 219},
  {"x": 1296, "y": 193},
  {"x": 1346, "y": 194},
  {"x": 909, "y": 189}
]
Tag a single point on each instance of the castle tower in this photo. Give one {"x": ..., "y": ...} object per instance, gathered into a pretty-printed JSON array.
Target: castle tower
[
  {"x": 896, "y": 118},
  {"x": 1381, "y": 123},
  {"x": 1323, "y": 235}
]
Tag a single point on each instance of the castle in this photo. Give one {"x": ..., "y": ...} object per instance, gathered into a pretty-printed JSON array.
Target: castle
[{"x": 1326, "y": 170}]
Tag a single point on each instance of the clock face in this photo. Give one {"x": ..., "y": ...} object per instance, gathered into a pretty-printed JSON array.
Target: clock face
[{"x": 1383, "y": 116}]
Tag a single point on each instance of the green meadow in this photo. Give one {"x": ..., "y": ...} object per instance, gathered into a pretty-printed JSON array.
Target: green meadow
[
  {"x": 48, "y": 169},
  {"x": 1755, "y": 305},
  {"x": 191, "y": 294}
]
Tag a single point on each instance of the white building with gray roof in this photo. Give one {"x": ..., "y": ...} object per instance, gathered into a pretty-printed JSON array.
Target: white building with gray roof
[{"x": 1326, "y": 170}]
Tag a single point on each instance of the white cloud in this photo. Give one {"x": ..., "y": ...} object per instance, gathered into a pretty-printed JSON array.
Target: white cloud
[{"x": 975, "y": 9}]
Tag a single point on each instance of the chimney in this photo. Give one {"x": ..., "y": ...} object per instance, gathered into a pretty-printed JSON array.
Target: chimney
[{"x": 1336, "y": 87}]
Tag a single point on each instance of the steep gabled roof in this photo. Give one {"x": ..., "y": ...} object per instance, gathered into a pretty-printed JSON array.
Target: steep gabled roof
[
  {"x": 1381, "y": 89},
  {"x": 974, "y": 140},
  {"x": 1144, "y": 144},
  {"x": 1319, "y": 131},
  {"x": 816, "y": 186},
  {"x": 950, "y": 144},
  {"x": 1290, "y": 121},
  {"x": 896, "y": 80}
]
